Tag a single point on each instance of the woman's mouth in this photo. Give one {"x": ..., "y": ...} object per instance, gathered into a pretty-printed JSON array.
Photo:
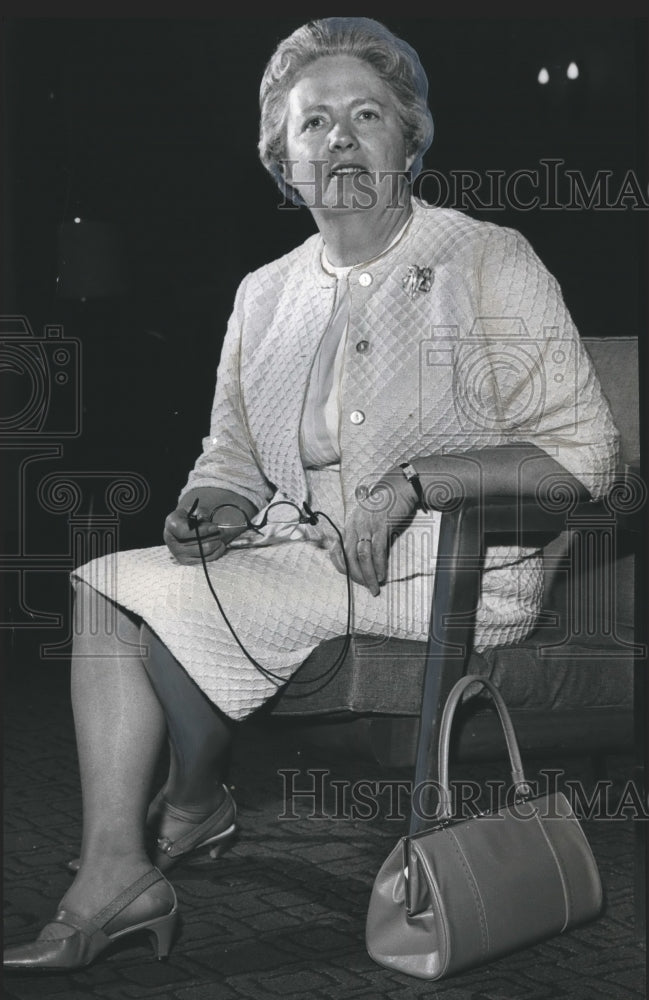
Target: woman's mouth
[{"x": 347, "y": 170}]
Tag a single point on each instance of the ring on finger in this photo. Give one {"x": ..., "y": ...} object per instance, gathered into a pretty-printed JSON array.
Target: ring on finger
[{"x": 364, "y": 540}]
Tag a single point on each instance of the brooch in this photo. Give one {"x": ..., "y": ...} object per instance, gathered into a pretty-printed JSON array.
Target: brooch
[{"x": 418, "y": 279}]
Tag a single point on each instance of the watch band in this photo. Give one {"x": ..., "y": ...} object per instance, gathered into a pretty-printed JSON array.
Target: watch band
[{"x": 410, "y": 473}]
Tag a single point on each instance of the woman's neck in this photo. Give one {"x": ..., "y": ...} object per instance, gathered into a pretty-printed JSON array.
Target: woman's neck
[{"x": 354, "y": 237}]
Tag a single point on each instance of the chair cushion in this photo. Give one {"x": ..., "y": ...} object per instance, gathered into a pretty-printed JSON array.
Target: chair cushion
[{"x": 545, "y": 672}]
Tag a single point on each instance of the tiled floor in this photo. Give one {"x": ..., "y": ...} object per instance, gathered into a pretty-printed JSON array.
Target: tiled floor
[{"x": 282, "y": 913}]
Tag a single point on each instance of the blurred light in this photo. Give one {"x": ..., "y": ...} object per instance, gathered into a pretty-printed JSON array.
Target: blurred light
[
  {"x": 77, "y": 219},
  {"x": 543, "y": 76},
  {"x": 573, "y": 71}
]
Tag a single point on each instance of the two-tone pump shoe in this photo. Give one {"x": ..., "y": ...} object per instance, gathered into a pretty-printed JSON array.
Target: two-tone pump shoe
[
  {"x": 149, "y": 904},
  {"x": 209, "y": 839}
]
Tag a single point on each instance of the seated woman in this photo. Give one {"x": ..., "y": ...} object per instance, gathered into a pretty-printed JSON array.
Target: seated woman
[{"x": 361, "y": 372}]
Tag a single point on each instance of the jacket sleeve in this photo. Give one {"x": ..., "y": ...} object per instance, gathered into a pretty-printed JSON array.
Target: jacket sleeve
[
  {"x": 545, "y": 389},
  {"x": 228, "y": 459}
]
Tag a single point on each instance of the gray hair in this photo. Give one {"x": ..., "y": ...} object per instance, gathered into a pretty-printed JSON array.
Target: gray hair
[{"x": 392, "y": 59}]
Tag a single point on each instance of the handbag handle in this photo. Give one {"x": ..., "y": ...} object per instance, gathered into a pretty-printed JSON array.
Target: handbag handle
[{"x": 518, "y": 778}]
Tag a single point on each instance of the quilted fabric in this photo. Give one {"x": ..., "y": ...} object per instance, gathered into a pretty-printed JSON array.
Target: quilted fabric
[
  {"x": 488, "y": 355},
  {"x": 283, "y": 597}
]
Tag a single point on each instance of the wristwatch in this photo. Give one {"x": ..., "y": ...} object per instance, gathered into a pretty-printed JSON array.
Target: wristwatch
[{"x": 410, "y": 473}]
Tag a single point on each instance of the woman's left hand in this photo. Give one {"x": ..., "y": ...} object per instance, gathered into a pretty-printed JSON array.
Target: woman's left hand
[{"x": 369, "y": 528}]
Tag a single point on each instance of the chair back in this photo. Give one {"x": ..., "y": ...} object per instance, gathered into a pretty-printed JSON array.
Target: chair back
[{"x": 616, "y": 363}]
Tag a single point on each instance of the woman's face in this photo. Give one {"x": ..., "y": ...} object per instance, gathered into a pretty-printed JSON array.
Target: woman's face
[{"x": 345, "y": 147}]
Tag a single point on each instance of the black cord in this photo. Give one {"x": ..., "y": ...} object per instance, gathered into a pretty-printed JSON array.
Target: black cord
[{"x": 308, "y": 517}]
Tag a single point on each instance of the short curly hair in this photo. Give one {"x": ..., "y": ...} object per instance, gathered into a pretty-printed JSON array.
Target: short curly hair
[{"x": 394, "y": 60}]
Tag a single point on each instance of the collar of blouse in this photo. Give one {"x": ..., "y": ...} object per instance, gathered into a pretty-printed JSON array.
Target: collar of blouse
[{"x": 326, "y": 275}]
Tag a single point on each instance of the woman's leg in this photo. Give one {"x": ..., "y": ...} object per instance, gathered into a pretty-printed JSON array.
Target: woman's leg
[
  {"x": 120, "y": 724},
  {"x": 199, "y": 734},
  {"x": 120, "y": 729}
]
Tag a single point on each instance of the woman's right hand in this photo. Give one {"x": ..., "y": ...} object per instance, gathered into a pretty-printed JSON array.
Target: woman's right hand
[{"x": 180, "y": 538}]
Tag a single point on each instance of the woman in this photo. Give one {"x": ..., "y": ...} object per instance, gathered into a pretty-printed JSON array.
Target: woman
[{"x": 366, "y": 373}]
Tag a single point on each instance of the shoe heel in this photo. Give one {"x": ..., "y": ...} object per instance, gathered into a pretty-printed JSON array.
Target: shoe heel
[
  {"x": 221, "y": 844},
  {"x": 163, "y": 930}
]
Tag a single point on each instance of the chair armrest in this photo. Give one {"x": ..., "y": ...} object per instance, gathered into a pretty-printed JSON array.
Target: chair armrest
[
  {"x": 562, "y": 503},
  {"x": 466, "y": 531}
]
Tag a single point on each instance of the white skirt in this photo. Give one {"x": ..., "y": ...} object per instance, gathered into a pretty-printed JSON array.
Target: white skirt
[{"x": 281, "y": 593}]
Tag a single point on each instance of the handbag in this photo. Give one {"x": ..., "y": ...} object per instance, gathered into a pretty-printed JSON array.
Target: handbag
[{"x": 467, "y": 891}]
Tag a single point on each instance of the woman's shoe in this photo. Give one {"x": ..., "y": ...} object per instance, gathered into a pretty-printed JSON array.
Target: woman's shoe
[
  {"x": 129, "y": 912},
  {"x": 211, "y": 837}
]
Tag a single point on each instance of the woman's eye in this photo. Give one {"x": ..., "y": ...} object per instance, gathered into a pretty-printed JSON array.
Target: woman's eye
[
  {"x": 313, "y": 123},
  {"x": 368, "y": 115}
]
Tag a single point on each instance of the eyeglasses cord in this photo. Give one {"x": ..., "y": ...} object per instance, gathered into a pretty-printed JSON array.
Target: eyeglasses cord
[{"x": 305, "y": 516}]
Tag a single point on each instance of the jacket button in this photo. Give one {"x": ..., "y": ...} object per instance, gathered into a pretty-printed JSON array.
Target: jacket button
[
  {"x": 365, "y": 279},
  {"x": 362, "y": 346},
  {"x": 361, "y": 493},
  {"x": 357, "y": 416}
]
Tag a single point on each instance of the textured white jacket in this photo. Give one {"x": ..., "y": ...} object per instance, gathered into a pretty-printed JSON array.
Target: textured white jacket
[{"x": 488, "y": 355}]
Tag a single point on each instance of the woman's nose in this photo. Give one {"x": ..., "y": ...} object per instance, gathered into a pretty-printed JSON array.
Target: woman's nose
[{"x": 342, "y": 137}]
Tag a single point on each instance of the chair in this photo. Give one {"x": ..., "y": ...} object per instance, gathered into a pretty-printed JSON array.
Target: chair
[
  {"x": 576, "y": 685},
  {"x": 570, "y": 685}
]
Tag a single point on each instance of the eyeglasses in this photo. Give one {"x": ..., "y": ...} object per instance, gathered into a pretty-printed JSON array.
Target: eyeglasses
[{"x": 239, "y": 519}]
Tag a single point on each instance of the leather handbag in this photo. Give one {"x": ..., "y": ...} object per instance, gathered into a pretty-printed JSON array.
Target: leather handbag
[{"x": 470, "y": 890}]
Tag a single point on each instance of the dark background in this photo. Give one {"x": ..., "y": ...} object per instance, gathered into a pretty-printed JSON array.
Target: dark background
[{"x": 151, "y": 125}]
